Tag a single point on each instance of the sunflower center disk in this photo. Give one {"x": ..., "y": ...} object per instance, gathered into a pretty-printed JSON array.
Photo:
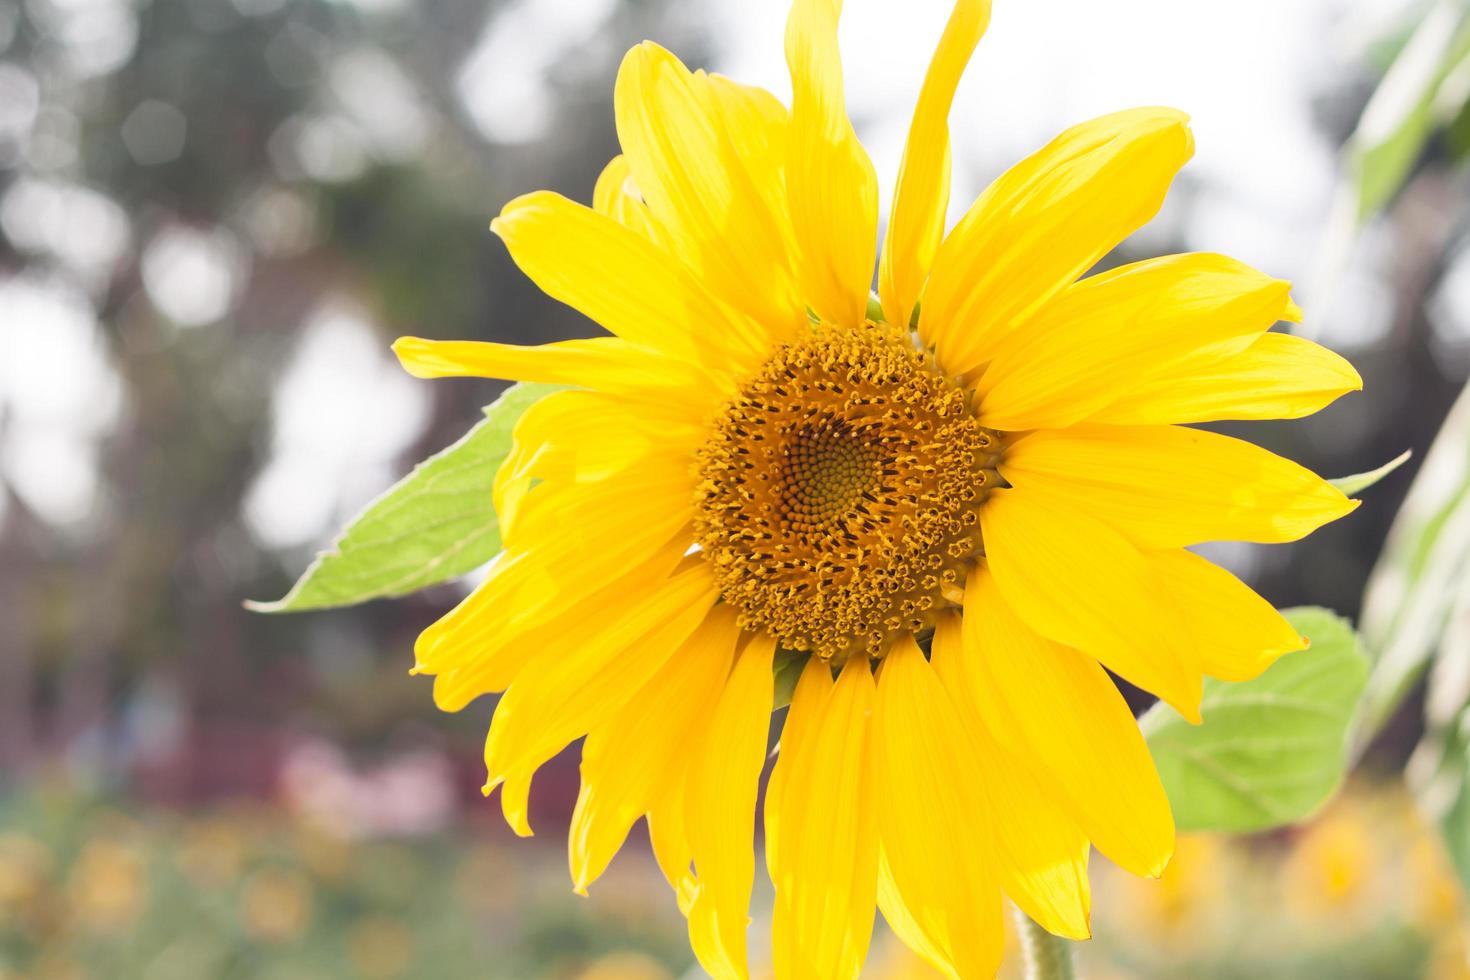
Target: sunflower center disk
[{"x": 840, "y": 491}]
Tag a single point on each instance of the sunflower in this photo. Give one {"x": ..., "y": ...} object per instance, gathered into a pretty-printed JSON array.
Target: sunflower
[{"x": 959, "y": 502}]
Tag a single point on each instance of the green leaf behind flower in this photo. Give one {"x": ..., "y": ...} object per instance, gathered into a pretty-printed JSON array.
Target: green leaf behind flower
[
  {"x": 1271, "y": 750},
  {"x": 1439, "y": 770},
  {"x": 435, "y": 524},
  {"x": 1440, "y": 774},
  {"x": 786, "y": 672},
  {"x": 1422, "y": 567}
]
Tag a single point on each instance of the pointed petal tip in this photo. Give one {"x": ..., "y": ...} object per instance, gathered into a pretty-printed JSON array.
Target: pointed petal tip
[{"x": 1189, "y": 710}]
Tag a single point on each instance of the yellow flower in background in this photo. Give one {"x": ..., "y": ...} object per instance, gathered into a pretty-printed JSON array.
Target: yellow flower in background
[
  {"x": 380, "y": 948},
  {"x": 1189, "y": 896},
  {"x": 965, "y": 505},
  {"x": 625, "y": 966},
  {"x": 276, "y": 904},
  {"x": 1330, "y": 872},
  {"x": 107, "y": 886}
]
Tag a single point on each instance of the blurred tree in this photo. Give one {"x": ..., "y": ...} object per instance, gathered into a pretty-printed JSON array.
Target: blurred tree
[{"x": 254, "y": 159}]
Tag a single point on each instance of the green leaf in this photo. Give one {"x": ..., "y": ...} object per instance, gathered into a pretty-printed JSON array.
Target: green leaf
[
  {"x": 1415, "y": 97},
  {"x": 1271, "y": 750},
  {"x": 433, "y": 525},
  {"x": 787, "y": 671},
  {"x": 1359, "y": 482},
  {"x": 1439, "y": 771},
  {"x": 1425, "y": 559},
  {"x": 875, "y": 308}
]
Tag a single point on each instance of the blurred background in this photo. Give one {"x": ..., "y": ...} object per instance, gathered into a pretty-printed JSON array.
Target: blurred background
[{"x": 215, "y": 215}]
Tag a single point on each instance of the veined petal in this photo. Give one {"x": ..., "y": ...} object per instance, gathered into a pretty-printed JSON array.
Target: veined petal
[
  {"x": 826, "y": 873},
  {"x": 627, "y": 762},
  {"x": 1168, "y": 486},
  {"x": 1043, "y": 223},
  {"x": 812, "y": 688},
  {"x": 601, "y": 363},
  {"x": 719, "y": 816},
  {"x": 1279, "y": 376},
  {"x": 1042, "y": 853},
  {"x": 616, "y": 195},
  {"x": 916, "y": 222},
  {"x": 831, "y": 187},
  {"x": 1077, "y": 581},
  {"x": 570, "y": 689},
  {"x": 671, "y": 124},
  {"x": 1237, "y": 634},
  {"x": 1089, "y": 345},
  {"x": 1062, "y": 716},
  {"x": 933, "y": 820},
  {"x": 622, "y": 280}
]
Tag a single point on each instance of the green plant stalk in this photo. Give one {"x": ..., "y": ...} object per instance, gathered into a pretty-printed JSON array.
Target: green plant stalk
[{"x": 1048, "y": 957}]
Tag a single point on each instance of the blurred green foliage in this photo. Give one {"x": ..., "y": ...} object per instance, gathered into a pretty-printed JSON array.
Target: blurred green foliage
[{"x": 90, "y": 888}]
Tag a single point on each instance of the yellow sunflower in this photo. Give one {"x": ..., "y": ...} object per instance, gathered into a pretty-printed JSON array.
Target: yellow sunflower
[{"x": 963, "y": 501}]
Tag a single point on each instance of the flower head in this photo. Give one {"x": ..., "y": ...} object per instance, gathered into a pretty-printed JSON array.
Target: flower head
[{"x": 960, "y": 504}]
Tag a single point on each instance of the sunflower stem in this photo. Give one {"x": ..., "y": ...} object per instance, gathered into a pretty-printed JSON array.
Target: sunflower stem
[{"x": 1048, "y": 957}]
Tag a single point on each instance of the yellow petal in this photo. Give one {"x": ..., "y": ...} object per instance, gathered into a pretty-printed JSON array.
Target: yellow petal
[
  {"x": 671, "y": 843},
  {"x": 1089, "y": 346},
  {"x": 830, "y": 183},
  {"x": 628, "y": 762},
  {"x": 1077, "y": 581},
  {"x": 826, "y": 874},
  {"x": 602, "y": 363},
  {"x": 693, "y": 173},
  {"x": 1042, "y": 853},
  {"x": 568, "y": 689},
  {"x": 903, "y": 923},
  {"x": 1237, "y": 633},
  {"x": 620, "y": 279},
  {"x": 1280, "y": 376},
  {"x": 586, "y": 537},
  {"x": 1043, "y": 223},
  {"x": 933, "y": 820},
  {"x": 916, "y": 222},
  {"x": 581, "y": 436},
  {"x": 616, "y": 195},
  {"x": 811, "y": 692},
  {"x": 1062, "y": 716},
  {"x": 645, "y": 502},
  {"x": 757, "y": 126},
  {"x": 719, "y": 814},
  {"x": 1168, "y": 486},
  {"x": 483, "y": 643}
]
